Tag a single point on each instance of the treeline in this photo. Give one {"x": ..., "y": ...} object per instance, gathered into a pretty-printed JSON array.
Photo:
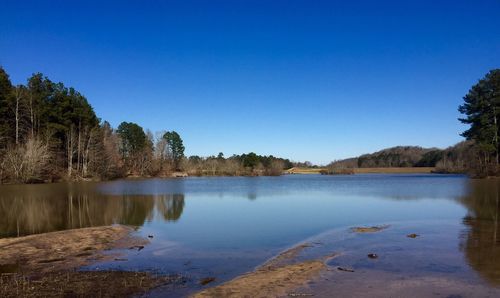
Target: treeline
[
  {"x": 478, "y": 155},
  {"x": 400, "y": 156},
  {"x": 456, "y": 159},
  {"x": 50, "y": 132},
  {"x": 236, "y": 165}
]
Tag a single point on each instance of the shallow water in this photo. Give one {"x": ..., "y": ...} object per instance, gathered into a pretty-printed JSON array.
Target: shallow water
[{"x": 223, "y": 227}]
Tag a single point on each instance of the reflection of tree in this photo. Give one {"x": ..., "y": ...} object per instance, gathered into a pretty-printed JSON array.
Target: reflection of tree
[
  {"x": 482, "y": 243},
  {"x": 170, "y": 206},
  {"x": 31, "y": 209},
  {"x": 136, "y": 210},
  {"x": 252, "y": 196}
]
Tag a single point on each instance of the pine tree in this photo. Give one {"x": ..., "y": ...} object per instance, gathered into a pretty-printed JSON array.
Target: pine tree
[
  {"x": 6, "y": 129},
  {"x": 175, "y": 146},
  {"x": 482, "y": 110}
]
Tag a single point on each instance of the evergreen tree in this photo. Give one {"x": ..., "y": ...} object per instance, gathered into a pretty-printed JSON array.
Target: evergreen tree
[
  {"x": 133, "y": 138},
  {"x": 250, "y": 160},
  {"x": 482, "y": 112},
  {"x": 6, "y": 129},
  {"x": 175, "y": 146}
]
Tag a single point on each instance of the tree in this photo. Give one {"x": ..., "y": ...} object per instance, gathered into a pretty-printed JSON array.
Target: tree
[
  {"x": 250, "y": 160},
  {"x": 220, "y": 156},
  {"x": 18, "y": 109},
  {"x": 26, "y": 162},
  {"x": 105, "y": 160},
  {"x": 133, "y": 138},
  {"x": 6, "y": 130},
  {"x": 481, "y": 108},
  {"x": 175, "y": 147},
  {"x": 40, "y": 94}
]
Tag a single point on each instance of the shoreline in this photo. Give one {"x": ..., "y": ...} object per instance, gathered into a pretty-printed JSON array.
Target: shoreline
[
  {"x": 49, "y": 264},
  {"x": 292, "y": 171},
  {"x": 389, "y": 170},
  {"x": 365, "y": 261}
]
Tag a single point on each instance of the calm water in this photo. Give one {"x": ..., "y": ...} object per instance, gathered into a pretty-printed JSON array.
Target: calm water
[{"x": 226, "y": 226}]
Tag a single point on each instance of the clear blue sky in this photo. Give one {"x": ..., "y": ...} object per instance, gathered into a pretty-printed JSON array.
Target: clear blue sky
[{"x": 307, "y": 80}]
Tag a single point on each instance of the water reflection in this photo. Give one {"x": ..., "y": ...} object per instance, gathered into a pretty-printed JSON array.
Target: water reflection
[
  {"x": 282, "y": 211},
  {"x": 30, "y": 210},
  {"x": 481, "y": 242},
  {"x": 170, "y": 206}
]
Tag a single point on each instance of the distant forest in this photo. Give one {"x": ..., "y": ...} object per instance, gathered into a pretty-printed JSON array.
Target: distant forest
[
  {"x": 452, "y": 159},
  {"x": 50, "y": 132},
  {"x": 478, "y": 155}
]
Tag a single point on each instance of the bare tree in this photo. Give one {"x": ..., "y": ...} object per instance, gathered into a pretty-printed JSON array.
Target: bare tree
[{"x": 26, "y": 162}]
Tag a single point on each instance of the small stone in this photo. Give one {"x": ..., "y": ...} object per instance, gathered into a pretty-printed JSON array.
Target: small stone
[
  {"x": 412, "y": 235},
  {"x": 206, "y": 280},
  {"x": 373, "y": 256}
]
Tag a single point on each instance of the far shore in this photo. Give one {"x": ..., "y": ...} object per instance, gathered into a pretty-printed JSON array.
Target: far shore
[
  {"x": 294, "y": 170},
  {"x": 393, "y": 170}
]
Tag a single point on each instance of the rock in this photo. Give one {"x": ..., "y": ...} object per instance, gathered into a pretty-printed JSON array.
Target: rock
[
  {"x": 206, "y": 280},
  {"x": 372, "y": 256},
  {"x": 345, "y": 269},
  {"x": 373, "y": 229},
  {"x": 150, "y": 236},
  {"x": 412, "y": 235}
]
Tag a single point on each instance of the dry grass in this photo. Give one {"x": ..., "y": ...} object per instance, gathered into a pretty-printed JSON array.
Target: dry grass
[
  {"x": 82, "y": 284},
  {"x": 408, "y": 170},
  {"x": 296, "y": 170}
]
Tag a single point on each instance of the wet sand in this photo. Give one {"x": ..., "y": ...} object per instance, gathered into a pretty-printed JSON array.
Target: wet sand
[
  {"x": 276, "y": 277},
  {"x": 46, "y": 264}
]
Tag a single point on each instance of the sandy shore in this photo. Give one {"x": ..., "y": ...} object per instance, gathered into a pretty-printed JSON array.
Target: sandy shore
[
  {"x": 277, "y": 277},
  {"x": 270, "y": 282},
  {"x": 45, "y": 264}
]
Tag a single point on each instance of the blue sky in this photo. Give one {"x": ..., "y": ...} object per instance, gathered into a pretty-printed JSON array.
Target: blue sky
[{"x": 306, "y": 80}]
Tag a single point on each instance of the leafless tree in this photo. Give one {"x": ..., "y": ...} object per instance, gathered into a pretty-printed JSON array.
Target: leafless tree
[{"x": 26, "y": 162}]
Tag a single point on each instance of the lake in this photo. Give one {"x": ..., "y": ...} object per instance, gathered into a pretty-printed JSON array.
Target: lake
[{"x": 225, "y": 226}]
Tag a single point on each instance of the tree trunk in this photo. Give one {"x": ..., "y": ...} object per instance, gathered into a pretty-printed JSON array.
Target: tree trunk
[
  {"x": 31, "y": 115},
  {"x": 78, "y": 159},
  {"x": 17, "y": 116},
  {"x": 86, "y": 159},
  {"x": 496, "y": 134},
  {"x": 70, "y": 151}
]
